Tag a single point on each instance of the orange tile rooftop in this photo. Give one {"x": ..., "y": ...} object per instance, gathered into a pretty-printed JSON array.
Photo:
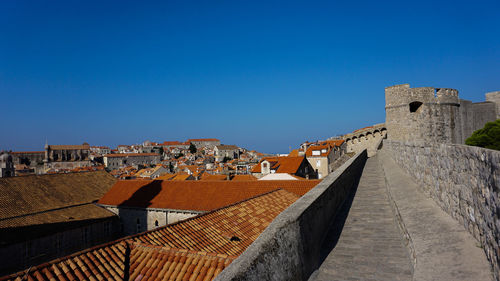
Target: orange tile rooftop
[{"x": 198, "y": 248}]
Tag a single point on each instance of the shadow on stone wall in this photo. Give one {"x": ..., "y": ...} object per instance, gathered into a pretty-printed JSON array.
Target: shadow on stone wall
[{"x": 137, "y": 221}]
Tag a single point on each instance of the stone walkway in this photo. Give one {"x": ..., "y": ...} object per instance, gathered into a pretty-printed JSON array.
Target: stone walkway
[
  {"x": 365, "y": 243},
  {"x": 444, "y": 250}
]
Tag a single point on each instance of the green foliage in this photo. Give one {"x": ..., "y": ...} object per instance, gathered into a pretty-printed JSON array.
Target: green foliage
[
  {"x": 487, "y": 137},
  {"x": 179, "y": 155},
  {"x": 225, "y": 159},
  {"x": 192, "y": 148}
]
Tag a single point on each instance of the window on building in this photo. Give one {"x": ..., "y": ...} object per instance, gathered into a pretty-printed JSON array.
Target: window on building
[
  {"x": 156, "y": 223},
  {"x": 138, "y": 225},
  {"x": 318, "y": 163},
  {"x": 316, "y": 152}
]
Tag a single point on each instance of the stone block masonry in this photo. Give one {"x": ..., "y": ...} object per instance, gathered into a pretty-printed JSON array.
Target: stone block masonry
[
  {"x": 289, "y": 248},
  {"x": 464, "y": 181}
]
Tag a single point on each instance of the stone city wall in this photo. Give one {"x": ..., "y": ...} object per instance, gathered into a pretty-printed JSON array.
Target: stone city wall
[
  {"x": 289, "y": 248},
  {"x": 463, "y": 180}
]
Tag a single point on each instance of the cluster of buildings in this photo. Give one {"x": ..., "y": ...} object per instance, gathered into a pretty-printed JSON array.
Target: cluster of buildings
[{"x": 197, "y": 199}]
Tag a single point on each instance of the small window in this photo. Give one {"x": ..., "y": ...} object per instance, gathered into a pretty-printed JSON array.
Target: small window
[
  {"x": 415, "y": 106},
  {"x": 156, "y": 223}
]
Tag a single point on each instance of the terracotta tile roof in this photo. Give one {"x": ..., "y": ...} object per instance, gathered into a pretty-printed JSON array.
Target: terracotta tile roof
[
  {"x": 24, "y": 228},
  {"x": 171, "y": 143},
  {"x": 243, "y": 178},
  {"x": 198, "y": 248},
  {"x": 324, "y": 150},
  {"x": 294, "y": 153},
  {"x": 131, "y": 154},
  {"x": 288, "y": 165},
  {"x": 166, "y": 177},
  {"x": 27, "y": 195},
  {"x": 179, "y": 177},
  {"x": 148, "y": 262},
  {"x": 229, "y": 230},
  {"x": 192, "y": 195},
  {"x": 69, "y": 147},
  {"x": 208, "y": 177},
  {"x": 227, "y": 147}
]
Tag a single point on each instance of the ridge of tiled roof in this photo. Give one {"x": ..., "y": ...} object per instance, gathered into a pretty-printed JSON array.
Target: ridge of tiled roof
[
  {"x": 166, "y": 194},
  {"x": 215, "y": 238},
  {"x": 69, "y": 147}
]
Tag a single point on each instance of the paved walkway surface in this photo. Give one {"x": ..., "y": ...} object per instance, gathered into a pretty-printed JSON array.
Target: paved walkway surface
[
  {"x": 365, "y": 243},
  {"x": 444, "y": 250}
]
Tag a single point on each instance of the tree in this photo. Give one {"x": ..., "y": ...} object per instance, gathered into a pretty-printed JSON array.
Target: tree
[
  {"x": 225, "y": 159},
  {"x": 487, "y": 137},
  {"x": 192, "y": 148}
]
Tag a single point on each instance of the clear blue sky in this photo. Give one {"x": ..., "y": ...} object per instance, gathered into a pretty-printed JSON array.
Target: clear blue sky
[{"x": 264, "y": 75}]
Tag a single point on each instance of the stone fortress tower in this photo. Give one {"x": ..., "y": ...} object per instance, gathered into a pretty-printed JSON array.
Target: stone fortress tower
[{"x": 435, "y": 114}]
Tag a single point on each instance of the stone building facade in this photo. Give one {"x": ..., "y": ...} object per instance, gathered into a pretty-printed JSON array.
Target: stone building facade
[
  {"x": 119, "y": 160},
  {"x": 136, "y": 220},
  {"x": 494, "y": 97},
  {"x": 435, "y": 114},
  {"x": 66, "y": 156},
  {"x": 229, "y": 151},
  {"x": 199, "y": 143},
  {"x": 6, "y": 165}
]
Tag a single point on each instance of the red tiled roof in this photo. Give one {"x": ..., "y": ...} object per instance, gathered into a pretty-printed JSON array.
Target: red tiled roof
[
  {"x": 171, "y": 143},
  {"x": 198, "y": 248},
  {"x": 183, "y": 177},
  {"x": 155, "y": 262},
  {"x": 69, "y": 147},
  {"x": 294, "y": 153},
  {"x": 208, "y": 177},
  {"x": 319, "y": 148},
  {"x": 212, "y": 232},
  {"x": 243, "y": 178},
  {"x": 131, "y": 154},
  {"x": 288, "y": 165},
  {"x": 192, "y": 195}
]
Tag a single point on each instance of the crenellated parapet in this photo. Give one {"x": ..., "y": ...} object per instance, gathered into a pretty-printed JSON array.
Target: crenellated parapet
[{"x": 423, "y": 113}]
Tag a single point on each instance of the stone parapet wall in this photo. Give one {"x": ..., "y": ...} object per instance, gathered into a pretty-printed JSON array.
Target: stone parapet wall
[
  {"x": 289, "y": 248},
  {"x": 463, "y": 180}
]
